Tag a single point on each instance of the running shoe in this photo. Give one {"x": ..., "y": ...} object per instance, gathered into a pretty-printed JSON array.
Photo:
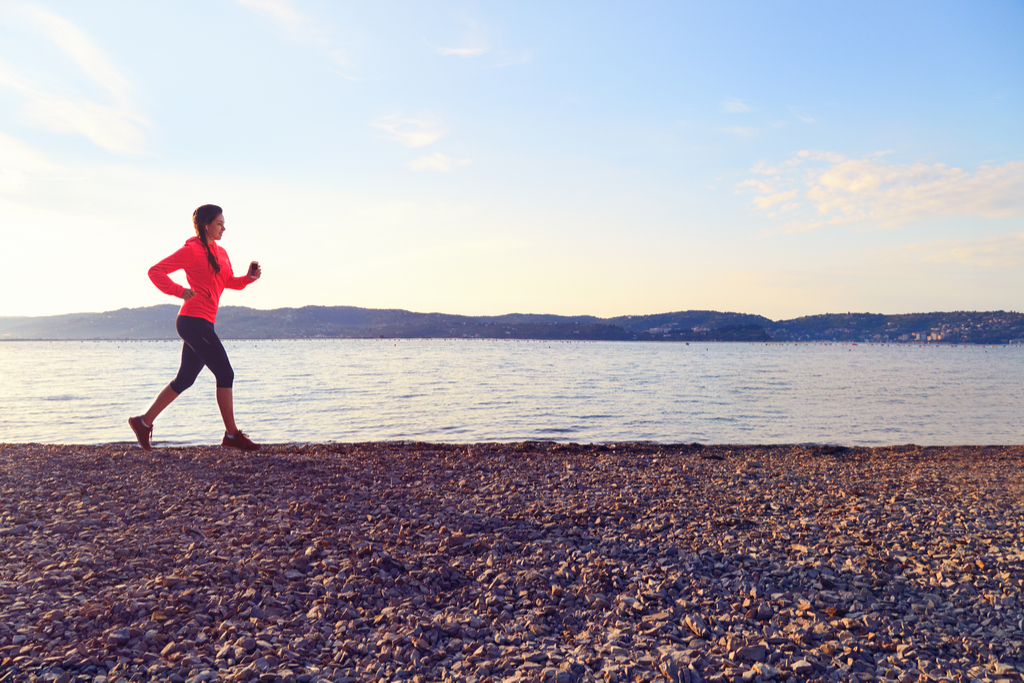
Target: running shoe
[
  {"x": 239, "y": 441},
  {"x": 142, "y": 432}
]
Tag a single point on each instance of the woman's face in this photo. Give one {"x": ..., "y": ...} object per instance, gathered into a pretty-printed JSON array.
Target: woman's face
[{"x": 215, "y": 228}]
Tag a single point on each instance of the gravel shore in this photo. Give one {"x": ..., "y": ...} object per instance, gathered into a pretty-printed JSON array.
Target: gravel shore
[{"x": 511, "y": 562}]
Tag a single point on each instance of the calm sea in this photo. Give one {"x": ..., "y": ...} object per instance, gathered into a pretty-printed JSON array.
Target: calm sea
[{"x": 484, "y": 390}]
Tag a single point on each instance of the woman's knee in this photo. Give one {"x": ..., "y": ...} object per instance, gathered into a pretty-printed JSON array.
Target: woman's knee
[
  {"x": 180, "y": 384},
  {"x": 225, "y": 378}
]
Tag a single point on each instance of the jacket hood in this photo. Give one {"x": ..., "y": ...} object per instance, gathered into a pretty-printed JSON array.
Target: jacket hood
[{"x": 195, "y": 242}]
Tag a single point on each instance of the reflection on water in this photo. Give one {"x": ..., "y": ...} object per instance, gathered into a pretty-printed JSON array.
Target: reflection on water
[{"x": 485, "y": 390}]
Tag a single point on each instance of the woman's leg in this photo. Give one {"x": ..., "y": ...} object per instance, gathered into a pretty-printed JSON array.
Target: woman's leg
[
  {"x": 208, "y": 348},
  {"x": 227, "y": 410},
  {"x": 191, "y": 366},
  {"x": 163, "y": 399}
]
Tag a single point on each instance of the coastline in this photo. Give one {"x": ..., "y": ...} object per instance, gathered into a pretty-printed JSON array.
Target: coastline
[{"x": 511, "y": 561}]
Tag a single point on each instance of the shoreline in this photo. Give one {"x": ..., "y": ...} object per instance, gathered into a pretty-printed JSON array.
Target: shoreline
[
  {"x": 170, "y": 445},
  {"x": 511, "y": 561}
]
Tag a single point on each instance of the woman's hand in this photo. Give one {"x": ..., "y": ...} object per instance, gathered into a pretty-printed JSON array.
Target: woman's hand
[
  {"x": 187, "y": 294},
  {"x": 254, "y": 276}
]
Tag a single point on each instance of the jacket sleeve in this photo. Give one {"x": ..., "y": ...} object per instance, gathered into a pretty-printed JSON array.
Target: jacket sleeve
[
  {"x": 238, "y": 282},
  {"x": 176, "y": 261},
  {"x": 232, "y": 282}
]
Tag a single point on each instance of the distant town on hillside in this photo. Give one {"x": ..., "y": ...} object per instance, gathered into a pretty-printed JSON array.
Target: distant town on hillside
[{"x": 309, "y": 322}]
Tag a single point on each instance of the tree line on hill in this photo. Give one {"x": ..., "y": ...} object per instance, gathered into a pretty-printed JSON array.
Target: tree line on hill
[{"x": 239, "y": 322}]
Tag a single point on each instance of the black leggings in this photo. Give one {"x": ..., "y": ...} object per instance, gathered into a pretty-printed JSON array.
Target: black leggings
[{"x": 202, "y": 348}]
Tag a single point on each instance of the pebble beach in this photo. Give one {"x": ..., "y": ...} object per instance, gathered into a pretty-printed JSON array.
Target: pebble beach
[{"x": 529, "y": 561}]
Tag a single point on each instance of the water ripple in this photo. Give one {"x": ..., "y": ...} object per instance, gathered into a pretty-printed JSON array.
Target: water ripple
[{"x": 482, "y": 390}]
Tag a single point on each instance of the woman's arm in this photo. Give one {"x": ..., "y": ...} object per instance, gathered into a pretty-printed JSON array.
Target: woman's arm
[
  {"x": 176, "y": 261},
  {"x": 244, "y": 281}
]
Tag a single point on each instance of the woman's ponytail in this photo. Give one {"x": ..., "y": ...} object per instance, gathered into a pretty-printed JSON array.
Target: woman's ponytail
[{"x": 202, "y": 217}]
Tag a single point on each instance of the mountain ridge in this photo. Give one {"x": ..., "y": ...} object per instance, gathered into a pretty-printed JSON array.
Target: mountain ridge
[{"x": 241, "y": 322}]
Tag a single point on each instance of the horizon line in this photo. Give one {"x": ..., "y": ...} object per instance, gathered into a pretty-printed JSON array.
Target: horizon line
[{"x": 499, "y": 315}]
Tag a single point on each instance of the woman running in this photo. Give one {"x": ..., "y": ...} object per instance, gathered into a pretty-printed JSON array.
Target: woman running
[{"x": 208, "y": 272}]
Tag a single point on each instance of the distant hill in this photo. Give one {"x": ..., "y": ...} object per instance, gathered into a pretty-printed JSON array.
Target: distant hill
[
  {"x": 957, "y": 327},
  {"x": 239, "y": 322},
  {"x": 153, "y": 322}
]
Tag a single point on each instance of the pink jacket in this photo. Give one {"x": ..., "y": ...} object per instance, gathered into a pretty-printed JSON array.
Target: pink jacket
[{"x": 201, "y": 278}]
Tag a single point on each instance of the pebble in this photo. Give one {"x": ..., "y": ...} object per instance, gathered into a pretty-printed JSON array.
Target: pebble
[{"x": 511, "y": 562}]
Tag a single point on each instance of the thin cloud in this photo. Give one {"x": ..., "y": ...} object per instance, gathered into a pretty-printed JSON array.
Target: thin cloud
[
  {"x": 771, "y": 200},
  {"x": 1000, "y": 252},
  {"x": 19, "y": 163},
  {"x": 831, "y": 157},
  {"x": 77, "y": 45},
  {"x": 740, "y": 132},
  {"x": 758, "y": 186},
  {"x": 801, "y": 116},
  {"x": 279, "y": 10},
  {"x": 16, "y": 155},
  {"x": 299, "y": 28},
  {"x": 833, "y": 190},
  {"x": 347, "y": 77},
  {"x": 734, "y": 106},
  {"x": 524, "y": 58},
  {"x": 437, "y": 162},
  {"x": 474, "y": 42},
  {"x": 117, "y": 126},
  {"x": 463, "y": 51},
  {"x": 294, "y": 23},
  {"x": 411, "y": 132},
  {"x": 11, "y": 179}
]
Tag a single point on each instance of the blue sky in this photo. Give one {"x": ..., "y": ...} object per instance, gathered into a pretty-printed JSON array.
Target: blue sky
[{"x": 780, "y": 158}]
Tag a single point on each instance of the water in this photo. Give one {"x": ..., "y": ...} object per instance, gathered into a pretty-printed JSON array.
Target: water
[{"x": 486, "y": 390}]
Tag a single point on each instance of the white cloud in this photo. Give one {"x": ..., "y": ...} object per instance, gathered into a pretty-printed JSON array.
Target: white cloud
[
  {"x": 740, "y": 132},
  {"x": 734, "y": 106},
  {"x": 118, "y": 127},
  {"x": 437, "y": 162},
  {"x": 758, "y": 185},
  {"x": 771, "y": 200},
  {"x": 411, "y": 132},
  {"x": 833, "y": 189}
]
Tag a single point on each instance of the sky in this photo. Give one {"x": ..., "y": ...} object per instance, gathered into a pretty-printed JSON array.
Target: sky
[{"x": 481, "y": 158}]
